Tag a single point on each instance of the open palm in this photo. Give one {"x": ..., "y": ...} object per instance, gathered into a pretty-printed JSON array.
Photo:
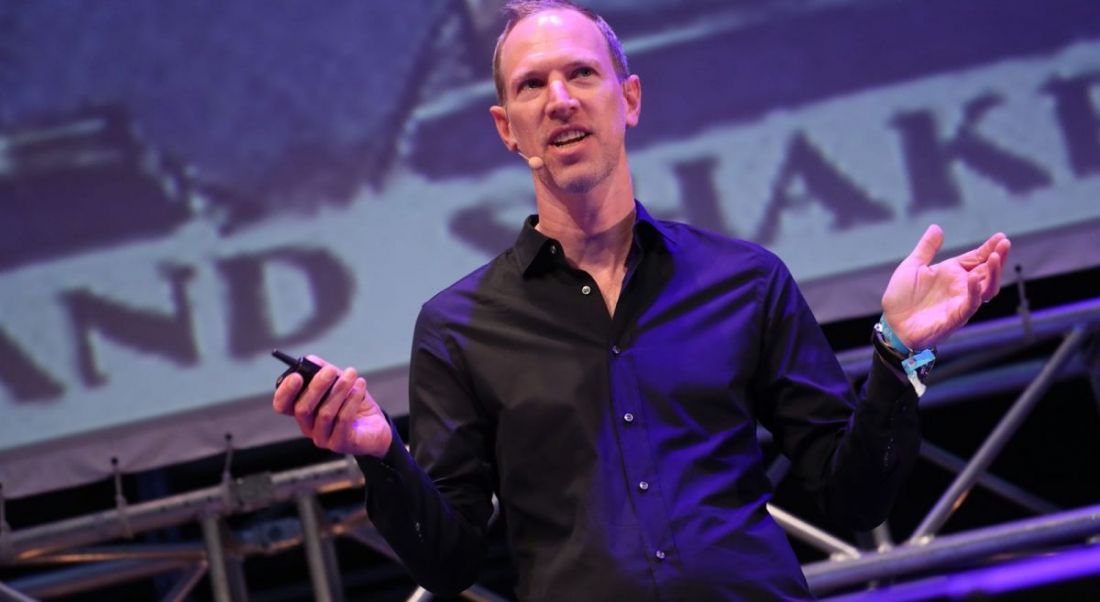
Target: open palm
[{"x": 924, "y": 303}]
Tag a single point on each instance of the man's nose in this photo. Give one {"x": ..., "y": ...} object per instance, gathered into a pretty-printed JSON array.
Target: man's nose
[{"x": 561, "y": 103}]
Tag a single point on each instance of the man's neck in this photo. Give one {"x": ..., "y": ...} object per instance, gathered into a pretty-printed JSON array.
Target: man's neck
[
  {"x": 595, "y": 237},
  {"x": 595, "y": 227},
  {"x": 595, "y": 234}
]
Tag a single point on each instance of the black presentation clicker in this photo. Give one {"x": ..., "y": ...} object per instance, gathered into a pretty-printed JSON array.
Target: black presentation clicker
[{"x": 300, "y": 365}]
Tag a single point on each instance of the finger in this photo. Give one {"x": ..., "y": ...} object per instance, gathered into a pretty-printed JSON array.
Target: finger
[
  {"x": 927, "y": 247},
  {"x": 994, "y": 267},
  {"x": 974, "y": 293},
  {"x": 288, "y": 405},
  {"x": 972, "y": 259},
  {"x": 1003, "y": 247},
  {"x": 343, "y": 433},
  {"x": 326, "y": 420},
  {"x": 990, "y": 245},
  {"x": 306, "y": 405},
  {"x": 330, "y": 406},
  {"x": 286, "y": 393}
]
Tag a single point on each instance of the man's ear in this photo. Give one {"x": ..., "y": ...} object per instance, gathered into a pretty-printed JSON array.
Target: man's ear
[
  {"x": 632, "y": 94},
  {"x": 504, "y": 129}
]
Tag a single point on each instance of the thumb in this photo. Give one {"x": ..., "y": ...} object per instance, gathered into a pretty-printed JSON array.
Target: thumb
[{"x": 928, "y": 245}]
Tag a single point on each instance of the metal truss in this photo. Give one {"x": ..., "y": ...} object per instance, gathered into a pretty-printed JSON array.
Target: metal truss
[
  {"x": 1035, "y": 546},
  {"x": 1054, "y": 544}
]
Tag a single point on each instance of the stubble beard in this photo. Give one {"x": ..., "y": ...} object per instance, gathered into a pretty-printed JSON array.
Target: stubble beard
[{"x": 587, "y": 180}]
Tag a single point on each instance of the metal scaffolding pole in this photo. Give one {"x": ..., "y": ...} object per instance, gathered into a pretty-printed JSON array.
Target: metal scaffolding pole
[
  {"x": 324, "y": 572},
  {"x": 987, "y": 582},
  {"x": 187, "y": 582},
  {"x": 807, "y": 533},
  {"x": 945, "y": 459},
  {"x": 998, "y": 438},
  {"x": 8, "y": 594},
  {"x": 170, "y": 511},
  {"x": 189, "y": 552},
  {"x": 92, "y": 576},
  {"x": 226, "y": 577},
  {"x": 950, "y": 550},
  {"x": 881, "y": 536},
  {"x": 476, "y": 593}
]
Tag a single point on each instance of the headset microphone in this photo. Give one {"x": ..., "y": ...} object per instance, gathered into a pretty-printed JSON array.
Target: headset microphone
[{"x": 534, "y": 163}]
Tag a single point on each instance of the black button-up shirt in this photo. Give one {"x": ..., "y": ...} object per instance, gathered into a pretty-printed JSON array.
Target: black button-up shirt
[{"x": 623, "y": 448}]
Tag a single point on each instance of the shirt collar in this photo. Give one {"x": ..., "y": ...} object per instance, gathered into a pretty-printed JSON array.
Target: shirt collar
[{"x": 534, "y": 250}]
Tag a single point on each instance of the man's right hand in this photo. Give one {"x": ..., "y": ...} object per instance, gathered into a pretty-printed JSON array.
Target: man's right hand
[{"x": 346, "y": 421}]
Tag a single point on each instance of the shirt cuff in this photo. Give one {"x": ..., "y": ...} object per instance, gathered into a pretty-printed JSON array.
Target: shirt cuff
[
  {"x": 890, "y": 402},
  {"x": 390, "y": 467},
  {"x": 887, "y": 378}
]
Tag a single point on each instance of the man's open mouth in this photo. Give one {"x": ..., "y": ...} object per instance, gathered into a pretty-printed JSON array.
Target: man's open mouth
[{"x": 567, "y": 138}]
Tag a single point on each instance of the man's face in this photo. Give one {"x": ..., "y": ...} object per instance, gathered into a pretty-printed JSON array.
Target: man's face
[{"x": 563, "y": 101}]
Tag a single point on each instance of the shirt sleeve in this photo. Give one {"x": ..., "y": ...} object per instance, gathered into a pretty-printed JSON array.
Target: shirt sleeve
[
  {"x": 433, "y": 506},
  {"x": 853, "y": 452}
]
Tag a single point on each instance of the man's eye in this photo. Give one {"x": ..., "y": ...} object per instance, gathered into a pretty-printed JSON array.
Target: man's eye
[
  {"x": 585, "y": 72},
  {"x": 529, "y": 84}
]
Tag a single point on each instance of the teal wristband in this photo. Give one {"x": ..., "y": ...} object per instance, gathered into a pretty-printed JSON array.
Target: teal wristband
[
  {"x": 916, "y": 365},
  {"x": 891, "y": 337}
]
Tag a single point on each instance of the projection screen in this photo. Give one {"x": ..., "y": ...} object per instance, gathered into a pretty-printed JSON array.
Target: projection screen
[{"x": 189, "y": 185}]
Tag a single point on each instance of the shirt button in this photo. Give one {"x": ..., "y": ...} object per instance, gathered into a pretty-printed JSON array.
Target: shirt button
[
  {"x": 628, "y": 417},
  {"x": 643, "y": 485},
  {"x": 615, "y": 350},
  {"x": 660, "y": 554},
  {"x": 553, "y": 249},
  {"x": 586, "y": 289}
]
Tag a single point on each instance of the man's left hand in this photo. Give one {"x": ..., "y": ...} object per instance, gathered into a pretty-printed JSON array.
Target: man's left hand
[{"x": 924, "y": 303}]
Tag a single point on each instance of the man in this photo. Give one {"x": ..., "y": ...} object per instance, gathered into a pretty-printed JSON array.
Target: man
[{"x": 605, "y": 375}]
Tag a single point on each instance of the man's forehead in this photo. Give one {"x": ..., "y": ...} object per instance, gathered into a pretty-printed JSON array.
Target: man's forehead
[{"x": 547, "y": 32}]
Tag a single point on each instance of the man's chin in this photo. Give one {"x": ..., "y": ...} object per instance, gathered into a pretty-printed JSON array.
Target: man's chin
[
  {"x": 576, "y": 181},
  {"x": 578, "y": 185}
]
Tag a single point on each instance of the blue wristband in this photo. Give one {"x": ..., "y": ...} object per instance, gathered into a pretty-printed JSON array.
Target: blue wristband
[
  {"x": 916, "y": 365},
  {"x": 891, "y": 337}
]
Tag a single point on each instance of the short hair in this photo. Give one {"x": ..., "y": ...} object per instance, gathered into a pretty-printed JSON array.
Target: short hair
[{"x": 517, "y": 10}]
